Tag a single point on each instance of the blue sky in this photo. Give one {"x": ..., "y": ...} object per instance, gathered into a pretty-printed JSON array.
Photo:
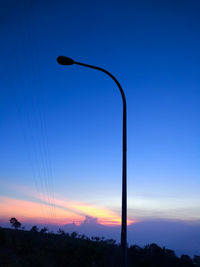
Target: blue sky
[{"x": 61, "y": 126}]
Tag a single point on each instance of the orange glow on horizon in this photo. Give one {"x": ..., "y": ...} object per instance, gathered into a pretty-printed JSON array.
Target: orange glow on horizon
[
  {"x": 60, "y": 213},
  {"x": 37, "y": 212}
]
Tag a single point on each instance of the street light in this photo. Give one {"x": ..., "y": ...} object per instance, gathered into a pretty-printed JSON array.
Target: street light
[{"x": 68, "y": 61}]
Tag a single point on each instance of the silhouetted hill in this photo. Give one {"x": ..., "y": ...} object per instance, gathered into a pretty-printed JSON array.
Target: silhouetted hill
[
  {"x": 182, "y": 237},
  {"x": 33, "y": 248}
]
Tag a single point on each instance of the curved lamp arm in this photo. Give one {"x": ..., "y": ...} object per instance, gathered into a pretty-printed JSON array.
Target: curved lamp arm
[{"x": 68, "y": 61}]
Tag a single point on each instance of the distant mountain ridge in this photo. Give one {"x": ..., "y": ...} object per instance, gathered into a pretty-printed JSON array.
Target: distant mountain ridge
[
  {"x": 182, "y": 237},
  {"x": 43, "y": 248}
]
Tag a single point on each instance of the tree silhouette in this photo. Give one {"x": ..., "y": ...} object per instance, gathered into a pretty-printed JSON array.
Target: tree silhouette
[
  {"x": 43, "y": 230},
  {"x": 15, "y": 223},
  {"x": 34, "y": 229},
  {"x": 61, "y": 231},
  {"x": 63, "y": 249}
]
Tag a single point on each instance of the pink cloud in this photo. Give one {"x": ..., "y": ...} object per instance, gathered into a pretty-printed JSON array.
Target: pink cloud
[{"x": 43, "y": 209}]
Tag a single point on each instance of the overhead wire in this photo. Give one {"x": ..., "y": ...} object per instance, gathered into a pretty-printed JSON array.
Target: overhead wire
[
  {"x": 23, "y": 120},
  {"x": 42, "y": 125},
  {"x": 36, "y": 126},
  {"x": 39, "y": 132},
  {"x": 31, "y": 149}
]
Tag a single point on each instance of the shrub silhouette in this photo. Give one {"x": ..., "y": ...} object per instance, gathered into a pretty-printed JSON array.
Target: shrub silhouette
[
  {"x": 15, "y": 223},
  {"x": 34, "y": 229},
  {"x": 29, "y": 248},
  {"x": 43, "y": 230}
]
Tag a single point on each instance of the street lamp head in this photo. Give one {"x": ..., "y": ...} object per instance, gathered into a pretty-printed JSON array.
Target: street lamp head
[{"x": 62, "y": 60}]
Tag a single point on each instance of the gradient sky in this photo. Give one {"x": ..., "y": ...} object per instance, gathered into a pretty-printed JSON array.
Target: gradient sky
[{"x": 61, "y": 127}]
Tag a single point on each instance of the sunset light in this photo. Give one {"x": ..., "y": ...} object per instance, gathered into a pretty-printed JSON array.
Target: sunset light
[
  {"x": 99, "y": 131},
  {"x": 59, "y": 213}
]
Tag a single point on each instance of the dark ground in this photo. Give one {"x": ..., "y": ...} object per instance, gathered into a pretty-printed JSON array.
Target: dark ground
[{"x": 33, "y": 248}]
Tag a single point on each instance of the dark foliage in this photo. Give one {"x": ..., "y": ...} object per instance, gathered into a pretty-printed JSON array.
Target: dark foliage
[
  {"x": 34, "y": 248},
  {"x": 43, "y": 230},
  {"x": 15, "y": 223},
  {"x": 34, "y": 229}
]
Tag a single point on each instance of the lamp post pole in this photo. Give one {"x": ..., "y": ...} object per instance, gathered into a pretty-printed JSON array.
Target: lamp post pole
[{"x": 68, "y": 61}]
